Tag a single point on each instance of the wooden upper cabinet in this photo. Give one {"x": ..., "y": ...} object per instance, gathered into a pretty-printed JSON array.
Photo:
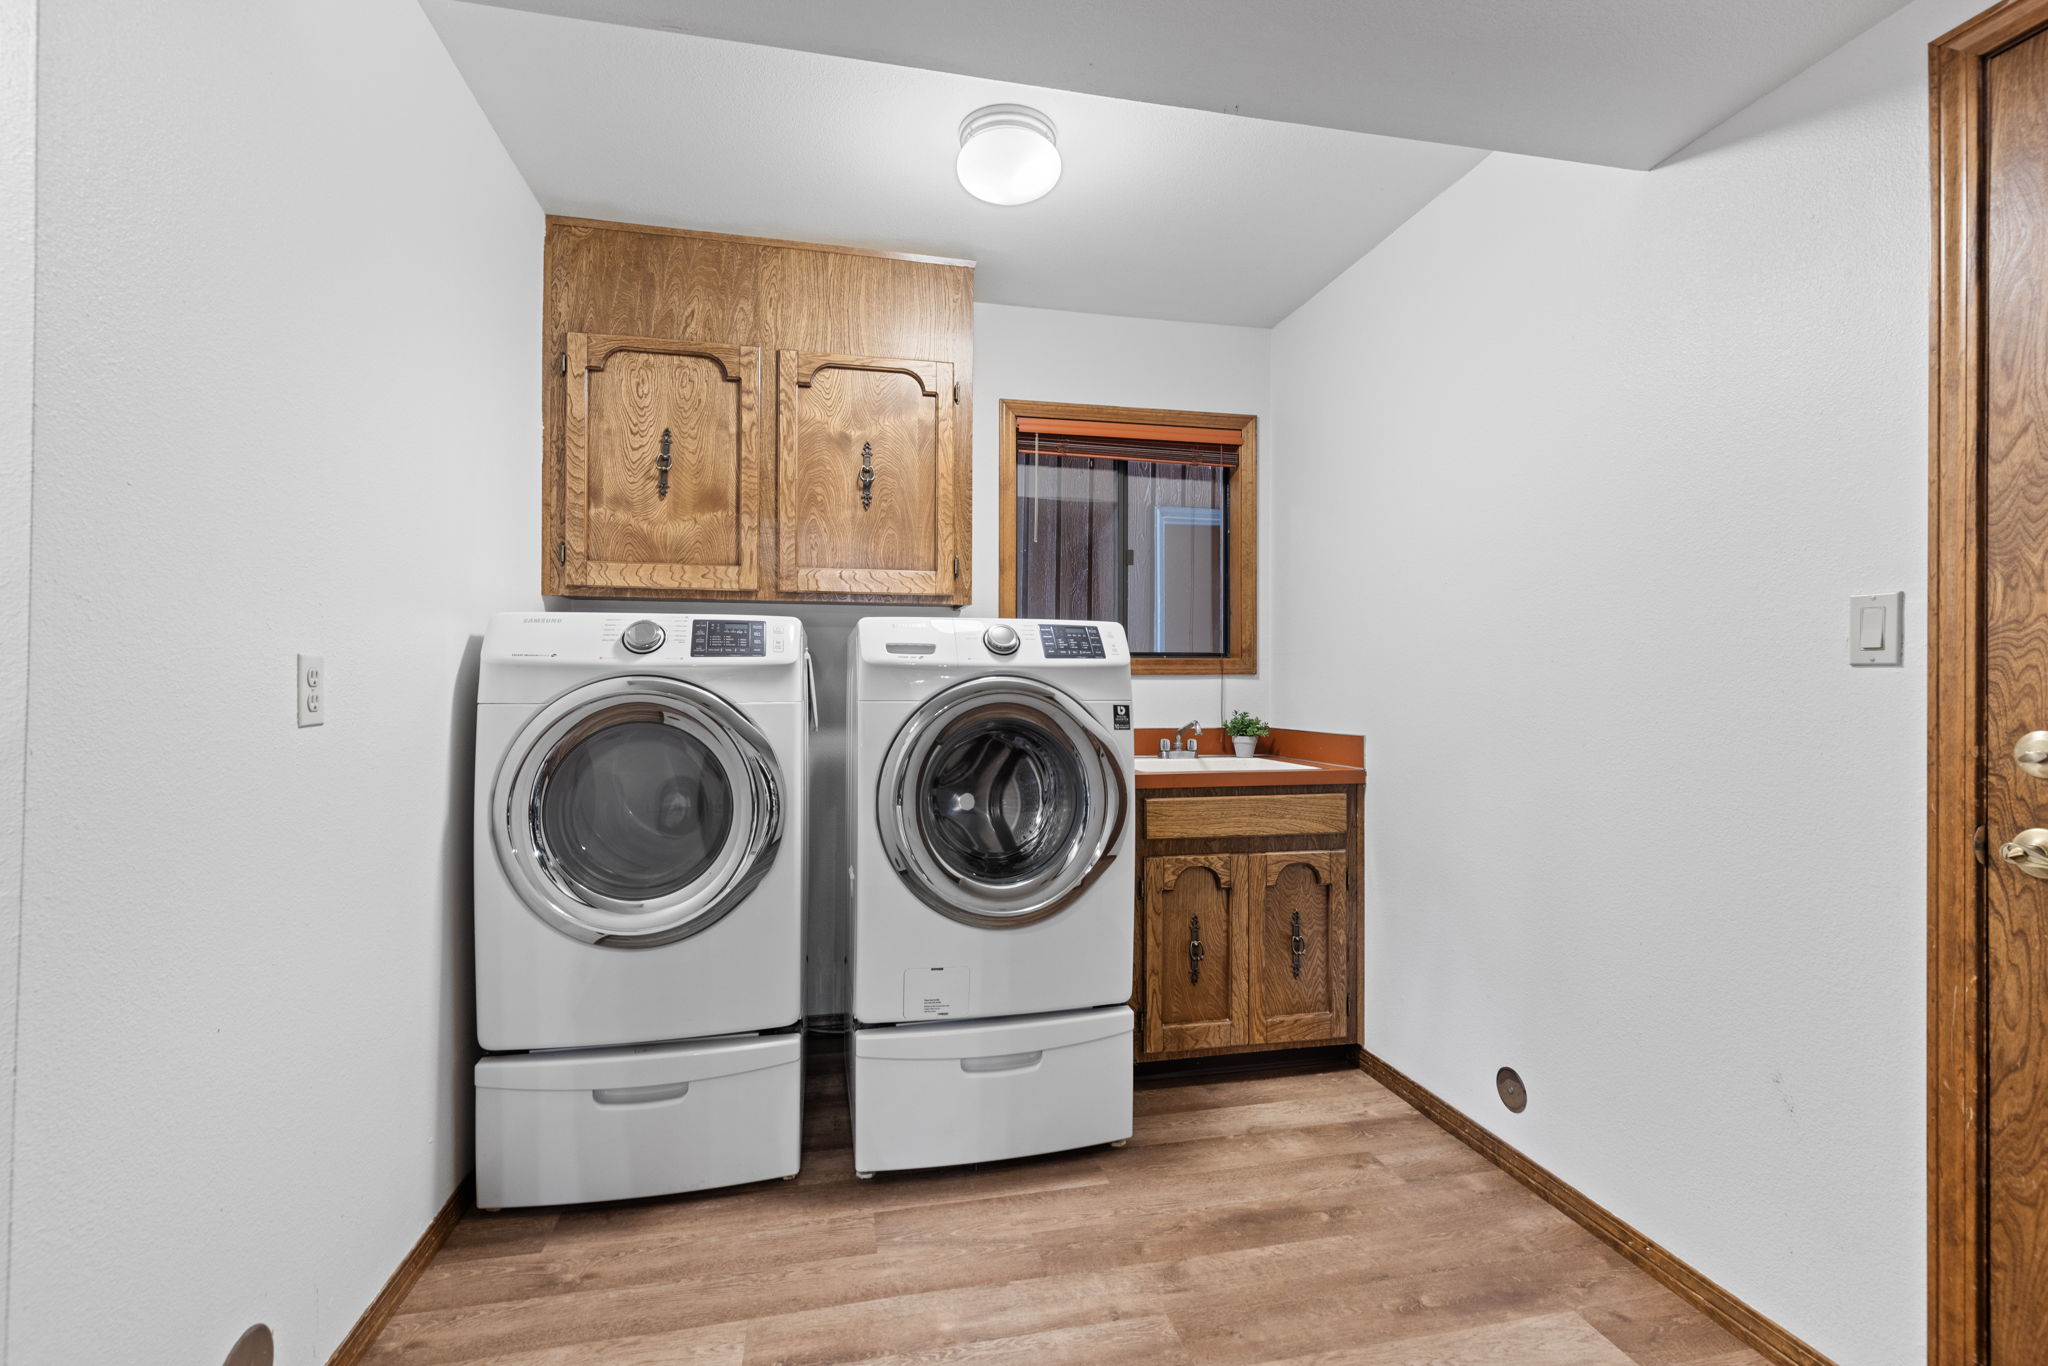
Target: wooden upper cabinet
[
  {"x": 1194, "y": 990},
  {"x": 865, "y": 475},
  {"x": 662, "y": 476},
  {"x": 808, "y": 404},
  {"x": 1299, "y": 949}
]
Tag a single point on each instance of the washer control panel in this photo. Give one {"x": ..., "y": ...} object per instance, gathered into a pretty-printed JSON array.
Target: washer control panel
[
  {"x": 728, "y": 638},
  {"x": 1062, "y": 640}
]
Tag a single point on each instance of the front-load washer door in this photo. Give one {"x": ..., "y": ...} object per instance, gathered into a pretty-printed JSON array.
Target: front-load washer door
[
  {"x": 637, "y": 811},
  {"x": 1000, "y": 801}
]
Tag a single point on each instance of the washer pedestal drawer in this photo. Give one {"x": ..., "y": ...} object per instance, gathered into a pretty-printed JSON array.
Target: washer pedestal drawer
[
  {"x": 937, "y": 1095},
  {"x": 578, "y": 1125}
]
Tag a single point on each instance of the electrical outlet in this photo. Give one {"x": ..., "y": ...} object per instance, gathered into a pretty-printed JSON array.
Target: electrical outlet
[{"x": 312, "y": 690}]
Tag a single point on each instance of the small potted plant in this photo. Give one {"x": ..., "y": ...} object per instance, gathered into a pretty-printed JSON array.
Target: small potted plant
[{"x": 1245, "y": 732}]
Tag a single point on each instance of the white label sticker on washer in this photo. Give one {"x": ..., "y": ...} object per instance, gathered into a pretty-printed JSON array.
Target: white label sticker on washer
[{"x": 934, "y": 993}]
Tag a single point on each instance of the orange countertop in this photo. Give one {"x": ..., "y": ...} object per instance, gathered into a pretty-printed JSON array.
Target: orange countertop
[{"x": 1330, "y": 759}]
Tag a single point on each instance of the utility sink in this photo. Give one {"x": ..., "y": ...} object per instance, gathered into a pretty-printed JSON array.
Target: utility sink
[{"x": 1212, "y": 763}]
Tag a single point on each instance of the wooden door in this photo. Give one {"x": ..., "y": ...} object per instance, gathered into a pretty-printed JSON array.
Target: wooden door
[
  {"x": 2016, "y": 692},
  {"x": 661, "y": 470},
  {"x": 1194, "y": 994},
  {"x": 1298, "y": 950},
  {"x": 866, "y": 476}
]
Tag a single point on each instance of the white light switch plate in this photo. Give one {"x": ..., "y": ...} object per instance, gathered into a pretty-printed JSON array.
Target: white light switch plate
[
  {"x": 312, "y": 690},
  {"x": 1874, "y": 624}
]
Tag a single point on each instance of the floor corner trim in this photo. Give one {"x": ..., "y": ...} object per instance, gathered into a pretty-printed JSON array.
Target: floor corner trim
[
  {"x": 1752, "y": 1329},
  {"x": 357, "y": 1344}
]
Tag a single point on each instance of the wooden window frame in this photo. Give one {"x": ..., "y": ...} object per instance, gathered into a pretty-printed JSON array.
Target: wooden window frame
[
  {"x": 1958, "y": 970},
  {"x": 1241, "y": 511}
]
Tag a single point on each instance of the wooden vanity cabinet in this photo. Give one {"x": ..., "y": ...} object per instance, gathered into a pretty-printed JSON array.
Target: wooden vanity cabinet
[
  {"x": 741, "y": 419},
  {"x": 1248, "y": 914},
  {"x": 1300, "y": 938},
  {"x": 1194, "y": 990}
]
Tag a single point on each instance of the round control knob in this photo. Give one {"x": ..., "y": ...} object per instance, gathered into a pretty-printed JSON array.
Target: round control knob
[
  {"x": 643, "y": 637},
  {"x": 1001, "y": 639}
]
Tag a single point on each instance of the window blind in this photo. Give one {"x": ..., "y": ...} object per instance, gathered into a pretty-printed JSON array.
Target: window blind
[{"x": 1128, "y": 441}]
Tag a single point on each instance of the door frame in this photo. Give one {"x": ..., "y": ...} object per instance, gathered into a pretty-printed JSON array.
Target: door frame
[{"x": 1958, "y": 1281}]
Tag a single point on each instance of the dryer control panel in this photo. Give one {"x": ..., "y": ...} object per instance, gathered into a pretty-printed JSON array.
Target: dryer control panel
[
  {"x": 728, "y": 638},
  {"x": 642, "y": 639},
  {"x": 684, "y": 640},
  {"x": 530, "y": 657}
]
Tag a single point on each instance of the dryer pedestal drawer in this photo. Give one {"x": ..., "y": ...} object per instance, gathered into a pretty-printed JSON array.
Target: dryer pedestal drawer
[
  {"x": 938, "y": 1095},
  {"x": 578, "y": 1125}
]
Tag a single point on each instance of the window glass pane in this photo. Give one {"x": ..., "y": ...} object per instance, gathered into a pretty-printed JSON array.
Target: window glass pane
[
  {"x": 1135, "y": 541},
  {"x": 1176, "y": 570},
  {"x": 1067, "y": 552}
]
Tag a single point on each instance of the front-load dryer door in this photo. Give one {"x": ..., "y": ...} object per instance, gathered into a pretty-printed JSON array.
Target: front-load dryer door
[
  {"x": 637, "y": 811},
  {"x": 1000, "y": 801}
]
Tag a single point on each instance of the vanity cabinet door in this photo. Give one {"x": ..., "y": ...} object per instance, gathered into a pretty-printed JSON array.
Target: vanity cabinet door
[
  {"x": 867, "y": 476},
  {"x": 1195, "y": 990},
  {"x": 1299, "y": 953},
  {"x": 662, "y": 478}
]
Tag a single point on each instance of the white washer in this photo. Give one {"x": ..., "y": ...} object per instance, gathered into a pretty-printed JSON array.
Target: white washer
[
  {"x": 638, "y": 881},
  {"x": 990, "y": 769}
]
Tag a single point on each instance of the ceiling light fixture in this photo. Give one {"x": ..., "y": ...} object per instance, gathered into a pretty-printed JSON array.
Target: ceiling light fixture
[{"x": 1008, "y": 154}]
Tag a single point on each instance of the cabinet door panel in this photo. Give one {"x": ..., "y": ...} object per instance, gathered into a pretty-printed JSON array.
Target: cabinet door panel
[
  {"x": 661, "y": 468},
  {"x": 1194, "y": 969},
  {"x": 865, "y": 479},
  {"x": 1299, "y": 955}
]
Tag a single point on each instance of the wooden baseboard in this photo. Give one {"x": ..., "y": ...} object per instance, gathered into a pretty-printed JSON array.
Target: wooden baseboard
[
  {"x": 357, "y": 1344},
  {"x": 1752, "y": 1328}
]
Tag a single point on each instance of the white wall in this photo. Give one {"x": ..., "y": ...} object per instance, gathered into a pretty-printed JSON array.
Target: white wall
[
  {"x": 17, "y": 329},
  {"x": 286, "y": 376},
  {"x": 1583, "y": 466}
]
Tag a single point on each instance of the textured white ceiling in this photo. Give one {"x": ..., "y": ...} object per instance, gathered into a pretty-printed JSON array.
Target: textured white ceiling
[
  {"x": 1621, "y": 82},
  {"x": 1163, "y": 212}
]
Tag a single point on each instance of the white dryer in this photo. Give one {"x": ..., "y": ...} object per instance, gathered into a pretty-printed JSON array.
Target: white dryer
[
  {"x": 991, "y": 800},
  {"x": 638, "y": 892}
]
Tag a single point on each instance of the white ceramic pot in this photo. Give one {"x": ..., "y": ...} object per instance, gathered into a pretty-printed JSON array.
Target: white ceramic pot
[{"x": 1244, "y": 745}]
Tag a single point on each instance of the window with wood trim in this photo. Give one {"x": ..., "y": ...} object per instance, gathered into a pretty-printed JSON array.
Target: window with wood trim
[{"x": 1138, "y": 515}]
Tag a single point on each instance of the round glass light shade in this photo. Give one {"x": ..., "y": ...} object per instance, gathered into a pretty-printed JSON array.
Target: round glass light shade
[{"x": 1008, "y": 154}]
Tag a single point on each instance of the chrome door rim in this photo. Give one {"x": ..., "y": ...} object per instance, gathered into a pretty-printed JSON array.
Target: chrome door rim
[
  {"x": 1088, "y": 852},
  {"x": 743, "y": 754}
]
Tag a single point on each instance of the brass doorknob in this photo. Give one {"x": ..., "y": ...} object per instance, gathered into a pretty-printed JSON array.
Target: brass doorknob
[
  {"x": 2031, "y": 753},
  {"x": 2028, "y": 852}
]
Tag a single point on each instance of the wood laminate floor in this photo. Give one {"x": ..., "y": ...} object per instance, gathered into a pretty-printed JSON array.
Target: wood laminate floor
[{"x": 1310, "y": 1218}]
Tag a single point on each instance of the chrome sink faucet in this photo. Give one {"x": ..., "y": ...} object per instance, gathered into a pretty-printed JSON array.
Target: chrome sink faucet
[{"x": 1170, "y": 748}]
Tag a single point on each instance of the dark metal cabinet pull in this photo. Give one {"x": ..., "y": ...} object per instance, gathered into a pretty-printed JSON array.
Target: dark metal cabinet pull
[
  {"x": 662, "y": 465},
  {"x": 867, "y": 475},
  {"x": 1296, "y": 944},
  {"x": 1196, "y": 953}
]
